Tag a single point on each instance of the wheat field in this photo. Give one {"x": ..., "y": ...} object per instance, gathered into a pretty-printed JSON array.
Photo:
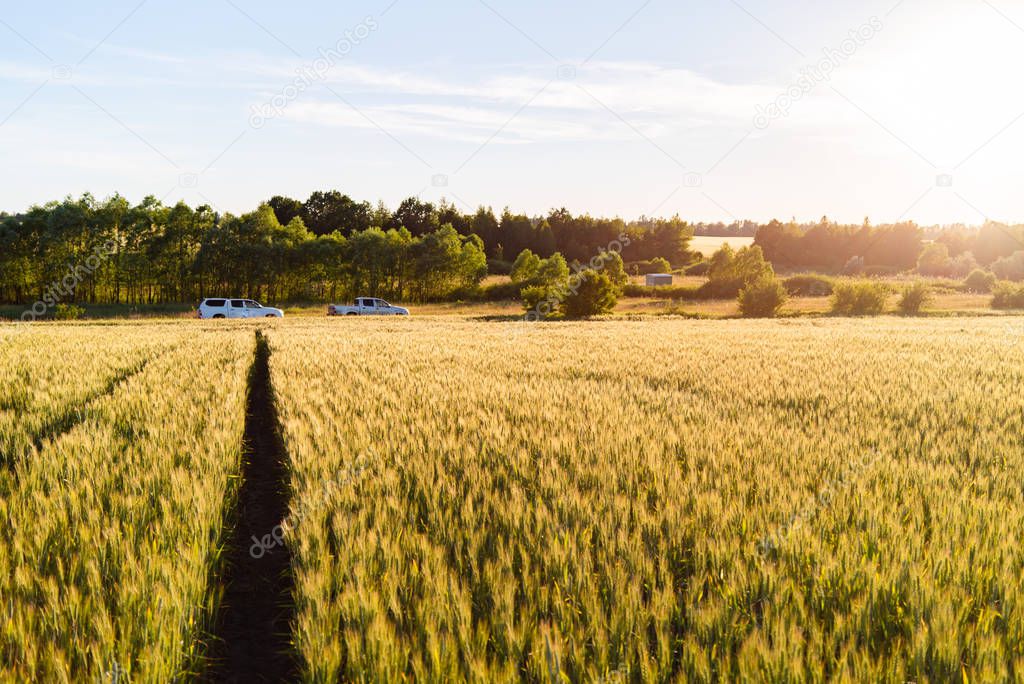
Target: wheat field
[
  {"x": 113, "y": 522},
  {"x": 656, "y": 500},
  {"x": 621, "y": 501}
]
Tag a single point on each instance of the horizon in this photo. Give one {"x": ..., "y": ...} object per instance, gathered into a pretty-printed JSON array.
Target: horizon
[{"x": 647, "y": 110}]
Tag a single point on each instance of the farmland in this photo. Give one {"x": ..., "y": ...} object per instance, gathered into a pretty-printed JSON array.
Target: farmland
[
  {"x": 708, "y": 245},
  {"x": 621, "y": 500}
]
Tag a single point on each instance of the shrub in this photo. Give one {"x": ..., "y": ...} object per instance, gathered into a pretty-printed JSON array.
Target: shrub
[
  {"x": 980, "y": 281},
  {"x": 525, "y": 267},
  {"x": 533, "y": 297},
  {"x": 553, "y": 270},
  {"x": 700, "y": 268},
  {"x": 594, "y": 294},
  {"x": 1010, "y": 268},
  {"x": 655, "y": 265},
  {"x": 762, "y": 298},
  {"x": 500, "y": 292},
  {"x": 732, "y": 271},
  {"x": 1007, "y": 296},
  {"x": 809, "y": 285},
  {"x": 858, "y": 299},
  {"x": 914, "y": 299},
  {"x": 68, "y": 312}
]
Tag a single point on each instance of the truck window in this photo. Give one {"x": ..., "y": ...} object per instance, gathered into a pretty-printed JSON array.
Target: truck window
[
  {"x": 238, "y": 303},
  {"x": 215, "y": 302}
]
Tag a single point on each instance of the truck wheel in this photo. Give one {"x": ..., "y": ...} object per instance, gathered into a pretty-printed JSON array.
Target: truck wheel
[
  {"x": 218, "y": 315},
  {"x": 351, "y": 313}
]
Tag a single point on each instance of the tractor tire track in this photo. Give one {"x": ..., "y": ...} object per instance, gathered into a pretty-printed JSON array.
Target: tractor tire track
[{"x": 252, "y": 631}]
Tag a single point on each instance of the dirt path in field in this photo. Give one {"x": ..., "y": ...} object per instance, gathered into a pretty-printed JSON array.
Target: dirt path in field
[{"x": 252, "y": 639}]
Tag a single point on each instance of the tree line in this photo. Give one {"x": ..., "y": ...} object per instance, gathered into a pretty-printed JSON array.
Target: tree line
[
  {"x": 831, "y": 247},
  {"x": 332, "y": 247},
  {"x": 326, "y": 248}
]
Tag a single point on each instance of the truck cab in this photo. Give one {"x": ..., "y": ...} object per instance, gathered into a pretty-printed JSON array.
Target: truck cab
[{"x": 367, "y": 306}]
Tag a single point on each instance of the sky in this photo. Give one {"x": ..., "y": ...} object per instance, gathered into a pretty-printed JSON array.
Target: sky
[{"x": 714, "y": 110}]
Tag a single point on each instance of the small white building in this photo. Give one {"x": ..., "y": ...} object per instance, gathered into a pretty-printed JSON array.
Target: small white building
[{"x": 659, "y": 279}]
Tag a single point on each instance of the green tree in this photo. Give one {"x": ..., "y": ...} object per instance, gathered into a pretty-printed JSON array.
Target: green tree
[
  {"x": 553, "y": 270},
  {"x": 730, "y": 271},
  {"x": 419, "y": 218},
  {"x": 326, "y": 212},
  {"x": 934, "y": 261},
  {"x": 613, "y": 267},
  {"x": 525, "y": 267},
  {"x": 595, "y": 294},
  {"x": 285, "y": 208}
]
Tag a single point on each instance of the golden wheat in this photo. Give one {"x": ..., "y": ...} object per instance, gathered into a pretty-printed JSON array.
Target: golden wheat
[
  {"x": 619, "y": 500},
  {"x": 651, "y": 501},
  {"x": 112, "y": 527}
]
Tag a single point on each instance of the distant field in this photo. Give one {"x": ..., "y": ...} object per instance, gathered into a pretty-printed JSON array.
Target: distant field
[
  {"x": 709, "y": 245},
  {"x": 628, "y": 500}
]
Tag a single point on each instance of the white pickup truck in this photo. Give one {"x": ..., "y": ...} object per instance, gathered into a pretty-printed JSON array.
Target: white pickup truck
[{"x": 367, "y": 306}]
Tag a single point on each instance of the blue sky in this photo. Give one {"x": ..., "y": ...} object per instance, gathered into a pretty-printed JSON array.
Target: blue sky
[{"x": 616, "y": 108}]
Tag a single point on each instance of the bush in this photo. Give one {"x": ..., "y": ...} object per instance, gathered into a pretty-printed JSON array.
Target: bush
[
  {"x": 731, "y": 271},
  {"x": 655, "y": 265},
  {"x": 700, "y": 268},
  {"x": 914, "y": 299},
  {"x": 980, "y": 281},
  {"x": 500, "y": 292},
  {"x": 533, "y": 297},
  {"x": 859, "y": 299},
  {"x": 595, "y": 294},
  {"x": 552, "y": 270},
  {"x": 808, "y": 286},
  {"x": 1007, "y": 296},
  {"x": 68, "y": 312},
  {"x": 762, "y": 298},
  {"x": 525, "y": 267}
]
